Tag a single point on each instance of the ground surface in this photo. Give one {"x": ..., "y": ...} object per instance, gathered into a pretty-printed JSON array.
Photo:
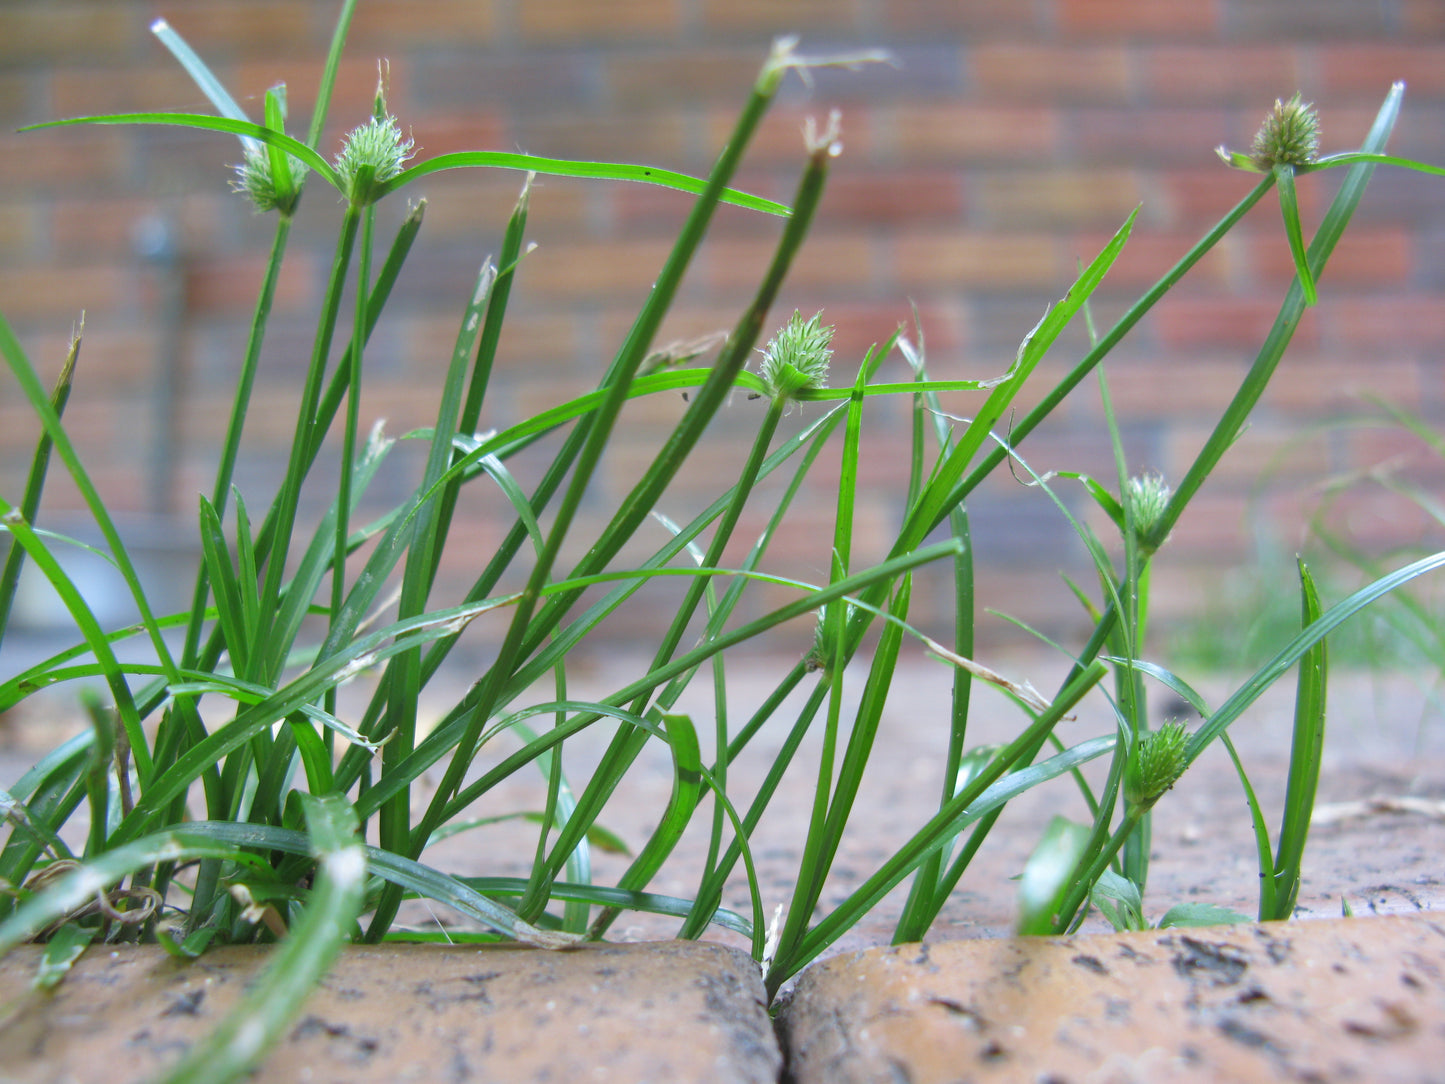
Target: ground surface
[
  {"x": 1378, "y": 843},
  {"x": 1227, "y": 997}
]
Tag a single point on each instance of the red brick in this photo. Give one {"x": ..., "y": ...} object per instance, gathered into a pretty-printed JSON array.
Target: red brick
[
  {"x": 679, "y": 76},
  {"x": 1139, "y": 18},
  {"x": 37, "y": 34},
  {"x": 1312, "y": 385},
  {"x": 60, "y": 293},
  {"x": 806, "y": 18},
  {"x": 221, "y": 29},
  {"x": 780, "y": 137},
  {"x": 981, "y": 16},
  {"x": 1422, "y": 17},
  {"x": 1013, "y": 70},
  {"x": 831, "y": 260},
  {"x": 585, "y": 20},
  {"x": 1399, "y": 317},
  {"x": 83, "y": 229},
  {"x": 383, "y": 25},
  {"x": 1246, "y": 74},
  {"x": 1149, "y": 136},
  {"x": 1172, "y": 386},
  {"x": 1204, "y": 194},
  {"x": 1148, "y": 255},
  {"x": 892, "y": 197},
  {"x": 476, "y": 203},
  {"x": 652, "y": 136},
  {"x": 1062, "y": 197},
  {"x": 19, "y": 231},
  {"x": 114, "y": 354},
  {"x": 220, "y": 283},
  {"x": 428, "y": 341},
  {"x": 616, "y": 269},
  {"x": 966, "y": 131},
  {"x": 1369, "y": 69},
  {"x": 47, "y": 161},
  {"x": 445, "y": 134},
  {"x": 161, "y": 85},
  {"x": 1267, "y": 456},
  {"x": 351, "y": 96},
  {"x": 1213, "y": 322},
  {"x": 993, "y": 261},
  {"x": 1372, "y": 257}
]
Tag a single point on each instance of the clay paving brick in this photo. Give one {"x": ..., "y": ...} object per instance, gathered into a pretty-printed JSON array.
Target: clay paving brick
[
  {"x": 662, "y": 1013},
  {"x": 1342, "y": 999}
]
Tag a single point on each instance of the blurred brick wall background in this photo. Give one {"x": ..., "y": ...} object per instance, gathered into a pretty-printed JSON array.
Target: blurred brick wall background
[{"x": 1010, "y": 140}]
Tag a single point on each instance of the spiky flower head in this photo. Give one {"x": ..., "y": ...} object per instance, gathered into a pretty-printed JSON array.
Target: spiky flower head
[
  {"x": 797, "y": 358},
  {"x": 1147, "y": 496},
  {"x": 256, "y": 180},
  {"x": 373, "y": 154},
  {"x": 1289, "y": 136},
  {"x": 1157, "y": 763}
]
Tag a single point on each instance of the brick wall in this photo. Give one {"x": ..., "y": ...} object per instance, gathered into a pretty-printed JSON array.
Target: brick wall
[{"x": 1011, "y": 138}]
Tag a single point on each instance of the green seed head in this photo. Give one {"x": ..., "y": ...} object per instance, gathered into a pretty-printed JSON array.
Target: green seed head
[
  {"x": 1289, "y": 136},
  {"x": 797, "y": 358},
  {"x": 256, "y": 180},
  {"x": 1147, "y": 496},
  {"x": 1157, "y": 763},
  {"x": 372, "y": 155}
]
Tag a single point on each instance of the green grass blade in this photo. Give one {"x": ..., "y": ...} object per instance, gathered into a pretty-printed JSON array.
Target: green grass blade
[
  {"x": 1261, "y": 834},
  {"x": 1306, "y": 752},
  {"x": 272, "y": 1002},
  {"x": 243, "y": 128},
  {"x": 1294, "y": 232},
  {"x": 35, "y": 482},
  {"x": 686, "y": 789},
  {"x": 1046, "y": 875},
  {"x": 1297, "y": 648},
  {"x": 561, "y": 167},
  {"x": 1290, "y": 313},
  {"x": 40, "y": 402},
  {"x": 328, "y": 73},
  {"x": 221, "y": 572},
  {"x": 199, "y": 72}
]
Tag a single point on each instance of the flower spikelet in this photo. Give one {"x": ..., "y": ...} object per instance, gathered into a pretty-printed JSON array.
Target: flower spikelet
[
  {"x": 256, "y": 180},
  {"x": 1156, "y": 764},
  {"x": 373, "y": 154},
  {"x": 1289, "y": 136},
  {"x": 797, "y": 358}
]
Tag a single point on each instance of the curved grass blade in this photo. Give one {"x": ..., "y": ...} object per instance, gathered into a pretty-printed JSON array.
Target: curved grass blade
[
  {"x": 564, "y": 167},
  {"x": 1306, "y": 752},
  {"x": 304, "y": 956},
  {"x": 686, "y": 789},
  {"x": 35, "y": 480},
  {"x": 1289, "y": 208}
]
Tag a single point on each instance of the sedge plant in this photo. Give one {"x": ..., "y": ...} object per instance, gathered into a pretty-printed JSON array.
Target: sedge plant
[{"x": 249, "y": 820}]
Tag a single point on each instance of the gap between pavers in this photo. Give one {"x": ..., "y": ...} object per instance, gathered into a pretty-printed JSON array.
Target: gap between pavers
[{"x": 1328, "y": 1000}]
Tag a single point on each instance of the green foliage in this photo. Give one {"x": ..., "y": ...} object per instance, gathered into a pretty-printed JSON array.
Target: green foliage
[{"x": 255, "y": 807}]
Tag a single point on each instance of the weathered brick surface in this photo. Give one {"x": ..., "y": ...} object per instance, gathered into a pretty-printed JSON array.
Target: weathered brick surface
[{"x": 1008, "y": 143}]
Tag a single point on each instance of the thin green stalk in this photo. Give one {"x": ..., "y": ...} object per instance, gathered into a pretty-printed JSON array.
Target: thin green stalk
[
  {"x": 620, "y": 376},
  {"x": 308, "y": 432},
  {"x": 35, "y": 481}
]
